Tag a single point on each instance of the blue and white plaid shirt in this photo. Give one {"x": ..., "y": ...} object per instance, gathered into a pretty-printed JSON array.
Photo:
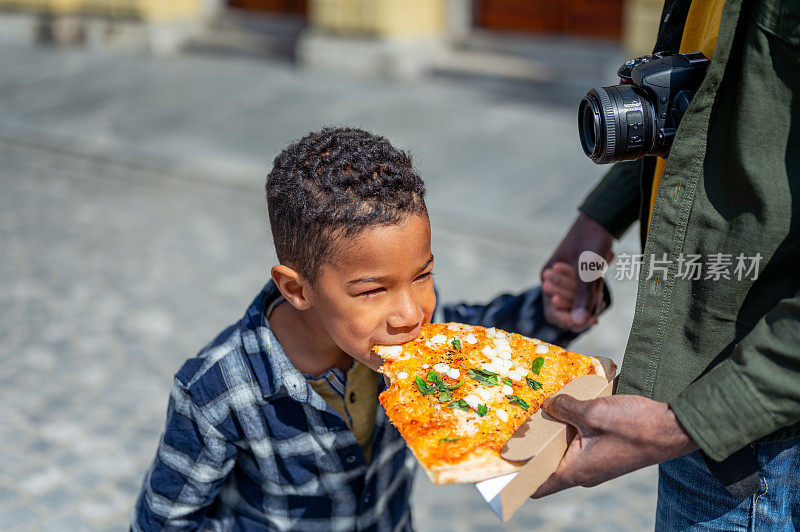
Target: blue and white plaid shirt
[{"x": 248, "y": 445}]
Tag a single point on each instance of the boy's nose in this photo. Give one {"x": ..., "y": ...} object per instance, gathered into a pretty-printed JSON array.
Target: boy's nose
[{"x": 407, "y": 315}]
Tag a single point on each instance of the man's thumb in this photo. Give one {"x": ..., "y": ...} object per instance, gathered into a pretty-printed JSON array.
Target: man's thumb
[{"x": 565, "y": 408}]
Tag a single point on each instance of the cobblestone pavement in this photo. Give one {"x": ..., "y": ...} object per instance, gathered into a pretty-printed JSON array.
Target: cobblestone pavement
[{"x": 133, "y": 229}]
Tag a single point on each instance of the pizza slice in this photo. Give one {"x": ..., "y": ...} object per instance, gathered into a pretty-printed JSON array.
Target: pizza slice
[{"x": 459, "y": 392}]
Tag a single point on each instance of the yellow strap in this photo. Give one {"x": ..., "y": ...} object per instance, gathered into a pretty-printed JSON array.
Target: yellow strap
[{"x": 699, "y": 35}]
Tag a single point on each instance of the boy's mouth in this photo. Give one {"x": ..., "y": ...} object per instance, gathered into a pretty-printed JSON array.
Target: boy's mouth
[{"x": 399, "y": 341}]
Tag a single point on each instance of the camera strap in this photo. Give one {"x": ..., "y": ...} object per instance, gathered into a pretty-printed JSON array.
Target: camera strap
[{"x": 672, "y": 26}]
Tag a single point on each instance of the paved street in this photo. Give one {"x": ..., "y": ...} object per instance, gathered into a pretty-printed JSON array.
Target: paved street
[{"x": 133, "y": 229}]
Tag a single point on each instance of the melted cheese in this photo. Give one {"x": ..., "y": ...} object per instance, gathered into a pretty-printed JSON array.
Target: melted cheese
[
  {"x": 439, "y": 339},
  {"x": 466, "y": 423}
]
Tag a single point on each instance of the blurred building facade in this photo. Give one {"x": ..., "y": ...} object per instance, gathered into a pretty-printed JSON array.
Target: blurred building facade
[{"x": 392, "y": 37}]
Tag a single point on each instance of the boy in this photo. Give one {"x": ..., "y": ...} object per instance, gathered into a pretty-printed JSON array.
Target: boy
[{"x": 275, "y": 425}]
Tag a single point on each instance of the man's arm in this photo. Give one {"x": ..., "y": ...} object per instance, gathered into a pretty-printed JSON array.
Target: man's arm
[
  {"x": 752, "y": 393},
  {"x": 606, "y": 213},
  {"x": 192, "y": 461},
  {"x": 747, "y": 396},
  {"x": 757, "y": 389},
  {"x": 616, "y": 200},
  {"x": 616, "y": 435}
]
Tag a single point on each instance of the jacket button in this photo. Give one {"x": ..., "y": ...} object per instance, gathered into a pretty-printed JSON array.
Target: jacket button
[{"x": 352, "y": 397}]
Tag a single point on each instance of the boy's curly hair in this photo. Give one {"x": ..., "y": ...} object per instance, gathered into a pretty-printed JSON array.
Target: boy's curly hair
[{"x": 335, "y": 183}]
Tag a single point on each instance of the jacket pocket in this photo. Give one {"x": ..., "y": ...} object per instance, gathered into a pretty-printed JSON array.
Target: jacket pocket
[{"x": 781, "y": 18}]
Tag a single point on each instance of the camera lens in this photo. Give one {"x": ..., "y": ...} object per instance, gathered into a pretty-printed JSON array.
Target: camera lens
[
  {"x": 616, "y": 123},
  {"x": 589, "y": 124}
]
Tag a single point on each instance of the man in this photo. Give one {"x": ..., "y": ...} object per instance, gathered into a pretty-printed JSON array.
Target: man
[{"x": 713, "y": 361}]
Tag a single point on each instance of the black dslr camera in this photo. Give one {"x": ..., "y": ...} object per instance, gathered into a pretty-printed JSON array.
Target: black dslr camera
[{"x": 639, "y": 116}]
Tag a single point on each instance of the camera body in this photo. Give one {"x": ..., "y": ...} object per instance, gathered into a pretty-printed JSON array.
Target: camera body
[{"x": 639, "y": 116}]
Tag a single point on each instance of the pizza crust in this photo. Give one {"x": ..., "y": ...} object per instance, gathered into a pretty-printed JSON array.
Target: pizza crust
[
  {"x": 482, "y": 465},
  {"x": 604, "y": 367}
]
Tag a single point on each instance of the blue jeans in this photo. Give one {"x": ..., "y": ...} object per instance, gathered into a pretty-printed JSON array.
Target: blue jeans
[{"x": 690, "y": 498}]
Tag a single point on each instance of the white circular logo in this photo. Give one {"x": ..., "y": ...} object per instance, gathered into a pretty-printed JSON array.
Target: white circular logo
[{"x": 591, "y": 266}]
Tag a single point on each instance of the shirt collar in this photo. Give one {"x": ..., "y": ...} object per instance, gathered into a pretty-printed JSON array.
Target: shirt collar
[{"x": 274, "y": 371}]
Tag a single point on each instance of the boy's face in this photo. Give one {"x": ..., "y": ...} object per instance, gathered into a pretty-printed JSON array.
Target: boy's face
[{"x": 379, "y": 288}]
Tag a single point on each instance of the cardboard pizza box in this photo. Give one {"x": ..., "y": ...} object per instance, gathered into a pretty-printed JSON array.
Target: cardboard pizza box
[{"x": 540, "y": 442}]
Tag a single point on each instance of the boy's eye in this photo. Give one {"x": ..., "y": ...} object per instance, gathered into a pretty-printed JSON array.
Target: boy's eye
[
  {"x": 371, "y": 292},
  {"x": 423, "y": 276}
]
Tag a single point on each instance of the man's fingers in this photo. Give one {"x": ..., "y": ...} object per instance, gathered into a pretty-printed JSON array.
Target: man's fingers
[
  {"x": 561, "y": 479},
  {"x": 600, "y": 302},
  {"x": 566, "y": 408},
  {"x": 555, "y": 483}
]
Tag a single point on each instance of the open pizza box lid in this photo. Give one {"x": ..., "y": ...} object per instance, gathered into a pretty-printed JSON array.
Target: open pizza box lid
[{"x": 540, "y": 442}]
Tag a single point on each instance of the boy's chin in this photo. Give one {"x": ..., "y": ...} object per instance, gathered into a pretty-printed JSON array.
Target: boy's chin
[{"x": 370, "y": 359}]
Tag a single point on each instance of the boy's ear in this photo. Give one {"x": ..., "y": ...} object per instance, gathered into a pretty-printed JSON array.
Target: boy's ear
[{"x": 293, "y": 287}]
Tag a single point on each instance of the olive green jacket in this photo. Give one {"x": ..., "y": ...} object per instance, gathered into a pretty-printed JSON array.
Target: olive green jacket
[{"x": 724, "y": 353}]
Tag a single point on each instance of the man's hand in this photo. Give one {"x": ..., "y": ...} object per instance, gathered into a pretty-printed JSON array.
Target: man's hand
[
  {"x": 616, "y": 435},
  {"x": 569, "y": 302}
]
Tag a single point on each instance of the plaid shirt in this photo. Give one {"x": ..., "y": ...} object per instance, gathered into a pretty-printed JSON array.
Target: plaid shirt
[{"x": 248, "y": 445}]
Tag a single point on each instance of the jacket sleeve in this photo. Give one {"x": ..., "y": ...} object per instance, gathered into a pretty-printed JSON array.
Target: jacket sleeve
[
  {"x": 615, "y": 202},
  {"x": 520, "y": 313},
  {"x": 751, "y": 394},
  {"x": 192, "y": 462}
]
